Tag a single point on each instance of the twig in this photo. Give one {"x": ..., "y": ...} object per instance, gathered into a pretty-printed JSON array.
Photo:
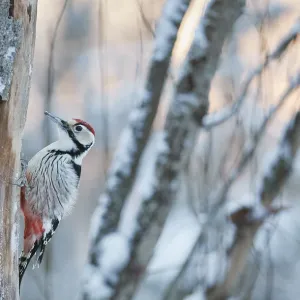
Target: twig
[
  {"x": 220, "y": 117},
  {"x": 218, "y": 200},
  {"x": 251, "y": 147},
  {"x": 47, "y": 136},
  {"x": 102, "y": 61},
  {"x": 272, "y": 183},
  {"x": 144, "y": 18},
  {"x": 152, "y": 32}
]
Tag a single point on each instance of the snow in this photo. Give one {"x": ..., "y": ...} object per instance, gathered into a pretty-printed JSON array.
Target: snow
[
  {"x": 186, "y": 102},
  {"x": 259, "y": 212},
  {"x": 163, "y": 146},
  {"x": 198, "y": 295},
  {"x": 2, "y": 86},
  {"x": 174, "y": 245},
  {"x": 114, "y": 253},
  {"x": 95, "y": 284},
  {"x": 98, "y": 215},
  {"x": 114, "y": 249},
  {"x": 139, "y": 114},
  {"x": 123, "y": 158},
  {"x": 216, "y": 267},
  {"x": 167, "y": 29},
  {"x": 281, "y": 152},
  {"x": 143, "y": 188},
  {"x": 9, "y": 54},
  {"x": 14, "y": 241}
]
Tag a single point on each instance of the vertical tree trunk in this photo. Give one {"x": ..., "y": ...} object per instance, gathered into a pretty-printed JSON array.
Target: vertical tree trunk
[{"x": 17, "y": 38}]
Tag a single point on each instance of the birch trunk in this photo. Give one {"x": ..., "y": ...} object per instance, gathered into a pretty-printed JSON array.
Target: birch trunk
[{"x": 17, "y": 38}]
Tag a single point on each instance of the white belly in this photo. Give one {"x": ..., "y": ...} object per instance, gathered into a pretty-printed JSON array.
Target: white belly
[{"x": 52, "y": 185}]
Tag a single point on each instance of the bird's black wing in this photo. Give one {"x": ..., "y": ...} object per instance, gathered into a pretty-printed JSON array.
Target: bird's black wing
[
  {"x": 25, "y": 259},
  {"x": 47, "y": 236},
  {"x": 77, "y": 169}
]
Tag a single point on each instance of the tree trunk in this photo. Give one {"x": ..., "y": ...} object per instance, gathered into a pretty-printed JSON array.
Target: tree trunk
[{"x": 17, "y": 38}]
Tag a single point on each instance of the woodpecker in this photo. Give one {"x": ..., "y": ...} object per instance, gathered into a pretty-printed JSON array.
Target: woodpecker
[{"x": 52, "y": 179}]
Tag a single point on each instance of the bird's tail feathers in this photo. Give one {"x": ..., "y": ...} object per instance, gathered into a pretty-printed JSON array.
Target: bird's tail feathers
[{"x": 25, "y": 259}]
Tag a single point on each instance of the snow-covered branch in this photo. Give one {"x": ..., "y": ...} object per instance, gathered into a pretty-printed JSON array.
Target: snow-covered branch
[
  {"x": 220, "y": 117},
  {"x": 132, "y": 143},
  {"x": 190, "y": 100},
  {"x": 218, "y": 199},
  {"x": 248, "y": 220}
]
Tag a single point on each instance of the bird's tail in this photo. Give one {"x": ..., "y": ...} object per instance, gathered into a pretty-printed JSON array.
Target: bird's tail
[
  {"x": 25, "y": 259},
  {"x": 41, "y": 243}
]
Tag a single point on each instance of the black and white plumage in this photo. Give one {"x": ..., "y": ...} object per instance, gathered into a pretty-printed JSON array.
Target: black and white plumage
[{"x": 52, "y": 183}]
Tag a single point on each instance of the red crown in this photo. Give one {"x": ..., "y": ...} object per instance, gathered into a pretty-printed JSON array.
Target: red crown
[{"x": 87, "y": 125}]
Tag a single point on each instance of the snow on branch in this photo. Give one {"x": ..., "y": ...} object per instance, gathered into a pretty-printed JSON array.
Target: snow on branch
[
  {"x": 218, "y": 198},
  {"x": 190, "y": 99},
  {"x": 132, "y": 143},
  {"x": 248, "y": 220},
  {"x": 220, "y": 117}
]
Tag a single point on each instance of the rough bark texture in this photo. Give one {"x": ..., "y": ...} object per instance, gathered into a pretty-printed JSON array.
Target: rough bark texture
[{"x": 17, "y": 38}]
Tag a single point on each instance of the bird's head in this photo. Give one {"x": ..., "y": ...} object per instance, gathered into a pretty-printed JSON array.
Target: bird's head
[{"x": 76, "y": 136}]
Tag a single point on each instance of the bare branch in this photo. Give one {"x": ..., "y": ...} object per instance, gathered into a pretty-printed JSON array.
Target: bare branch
[
  {"x": 220, "y": 117},
  {"x": 218, "y": 199},
  {"x": 248, "y": 223},
  {"x": 50, "y": 71},
  {"x": 144, "y": 18},
  {"x": 48, "y": 258},
  {"x": 105, "y": 112}
]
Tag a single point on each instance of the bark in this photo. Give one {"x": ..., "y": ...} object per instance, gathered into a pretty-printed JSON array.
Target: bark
[{"x": 17, "y": 39}]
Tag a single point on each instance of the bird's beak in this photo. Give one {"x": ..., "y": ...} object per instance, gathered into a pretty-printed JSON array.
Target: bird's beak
[{"x": 61, "y": 123}]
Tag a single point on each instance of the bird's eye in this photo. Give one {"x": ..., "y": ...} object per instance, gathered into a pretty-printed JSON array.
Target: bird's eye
[{"x": 78, "y": 128}]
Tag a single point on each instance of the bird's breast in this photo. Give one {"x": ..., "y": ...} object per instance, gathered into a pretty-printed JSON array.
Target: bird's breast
[{"x": 52, "y": 185}]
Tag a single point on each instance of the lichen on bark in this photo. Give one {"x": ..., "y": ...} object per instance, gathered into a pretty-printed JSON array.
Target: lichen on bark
[{"x": 10, "y": 33}]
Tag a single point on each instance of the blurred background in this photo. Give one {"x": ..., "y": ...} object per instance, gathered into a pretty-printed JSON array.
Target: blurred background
[{"x": 90, "y": 62}]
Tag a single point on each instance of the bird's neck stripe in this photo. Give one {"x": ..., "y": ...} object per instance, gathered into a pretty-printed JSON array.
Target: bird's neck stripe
[
  {"x": 72, "y": 152},
  {"x": 80, "y": 148}
]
